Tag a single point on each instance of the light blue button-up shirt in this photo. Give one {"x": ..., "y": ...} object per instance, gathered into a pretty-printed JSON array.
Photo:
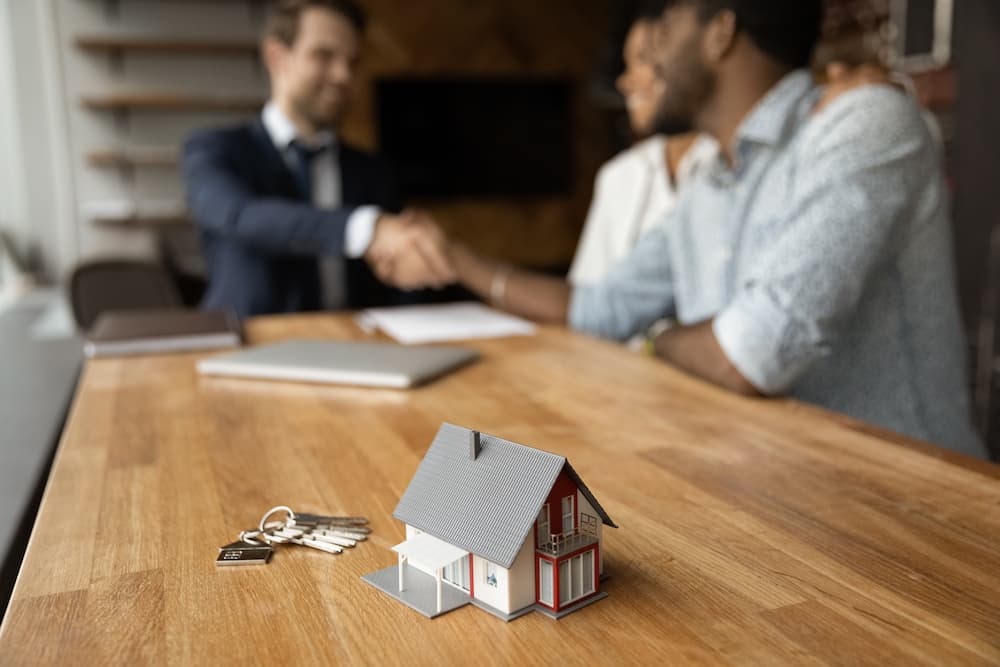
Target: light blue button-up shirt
[{"x": 824, "y": 256}]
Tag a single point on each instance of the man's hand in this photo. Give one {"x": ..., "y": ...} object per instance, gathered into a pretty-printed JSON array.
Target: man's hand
[{"x": 410, "y": 252}]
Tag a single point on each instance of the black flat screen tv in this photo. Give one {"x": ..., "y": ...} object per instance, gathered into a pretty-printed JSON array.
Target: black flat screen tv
[{"x": 454, "y": 138}]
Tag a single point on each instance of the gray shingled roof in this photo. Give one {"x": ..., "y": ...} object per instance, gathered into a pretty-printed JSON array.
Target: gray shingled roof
[{"x": 486, "y": 506}]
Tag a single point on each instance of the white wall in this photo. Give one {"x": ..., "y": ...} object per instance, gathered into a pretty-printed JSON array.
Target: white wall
[
  {"x": 522, "y": 576},
  {"x": 45, "y": 182},
  {"x": 496, "y": 597},
  {"x": 34, "y": 170},
  {"x": 515, "y": 587},
  {"x": 12, "y": 204}
]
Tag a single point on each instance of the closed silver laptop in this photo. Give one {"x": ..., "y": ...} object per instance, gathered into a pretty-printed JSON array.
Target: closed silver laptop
[{"x": 340, "y": 362}]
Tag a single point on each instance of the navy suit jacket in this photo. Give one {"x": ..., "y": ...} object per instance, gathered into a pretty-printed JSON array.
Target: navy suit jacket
[{"x": 260, "y": 238}]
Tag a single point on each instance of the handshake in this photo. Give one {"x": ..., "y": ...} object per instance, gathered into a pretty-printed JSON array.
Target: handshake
[{"x": 409, "y": 251}]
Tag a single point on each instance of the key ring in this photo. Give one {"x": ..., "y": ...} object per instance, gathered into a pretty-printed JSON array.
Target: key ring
[
  {"x": 273, "y": 510},
  {"x": 250, "y": 537}
]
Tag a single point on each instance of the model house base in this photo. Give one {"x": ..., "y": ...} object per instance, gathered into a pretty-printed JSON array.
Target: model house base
[{"x": 420, "y": 595}]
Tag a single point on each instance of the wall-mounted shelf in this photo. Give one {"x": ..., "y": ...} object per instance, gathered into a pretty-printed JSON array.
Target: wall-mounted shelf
[
  {"x": 179, "y": 46},
  {"x": 112, "y": 8},
  {"x": 143, "y": 221},
  {"x": 133, "y": 158},
  {"x": 126, "y": 102}
]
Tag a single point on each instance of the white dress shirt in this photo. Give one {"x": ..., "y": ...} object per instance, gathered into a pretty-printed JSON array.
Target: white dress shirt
[
  {"x": 632, "y": 194},
  {"x": 327, "y": 193}
]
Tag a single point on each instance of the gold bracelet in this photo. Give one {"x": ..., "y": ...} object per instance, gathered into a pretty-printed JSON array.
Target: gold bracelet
[
  {"x": 498, "y": 286},
  {"x": 649, "y": 347}
]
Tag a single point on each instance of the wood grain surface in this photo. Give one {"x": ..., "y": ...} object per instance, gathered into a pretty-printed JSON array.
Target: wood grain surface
[{"x": 752, "y": 532}]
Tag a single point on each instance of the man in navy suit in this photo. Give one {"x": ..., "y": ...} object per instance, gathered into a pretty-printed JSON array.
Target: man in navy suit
[{"x": 290, "y": 218}]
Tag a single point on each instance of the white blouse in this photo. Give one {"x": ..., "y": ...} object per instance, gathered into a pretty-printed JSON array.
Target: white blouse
[{"x": 632, "y": 194}]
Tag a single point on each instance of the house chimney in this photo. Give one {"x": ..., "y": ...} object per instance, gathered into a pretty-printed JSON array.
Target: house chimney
[{"x": 475, "y": 445}]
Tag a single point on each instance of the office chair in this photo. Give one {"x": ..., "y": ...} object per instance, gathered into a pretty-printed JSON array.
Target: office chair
[{"x": 99, "y": 286}]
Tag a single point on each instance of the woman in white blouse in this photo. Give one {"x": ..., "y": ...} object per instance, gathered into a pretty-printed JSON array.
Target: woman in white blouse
[{"x": 637, "y": 188}]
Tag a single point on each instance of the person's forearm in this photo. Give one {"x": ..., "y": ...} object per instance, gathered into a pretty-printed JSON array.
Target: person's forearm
[
  {"x": 539, "y": 297},
  {"x": 695, "y": 350}
]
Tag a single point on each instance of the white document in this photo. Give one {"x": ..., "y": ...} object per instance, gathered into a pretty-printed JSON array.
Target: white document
[{"x": 413, "y": 325}]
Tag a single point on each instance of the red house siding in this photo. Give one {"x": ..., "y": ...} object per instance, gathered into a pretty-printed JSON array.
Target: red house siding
[{"x": 563, "y": 487}]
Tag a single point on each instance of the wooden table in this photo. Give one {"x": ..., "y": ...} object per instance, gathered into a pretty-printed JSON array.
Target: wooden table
[{"x": 751, "y": 531}]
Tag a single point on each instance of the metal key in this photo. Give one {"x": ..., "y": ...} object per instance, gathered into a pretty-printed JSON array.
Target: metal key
[
  {"x": 349, "y": 534},
  {"x": 340, "y": 541},
  {"x": 316, "y": 520},
  {"x": 288, "y": 532},
  {"x": 315, "y": 544},
  {"x": 300, "y": 532},
  {"x": 330, "y": 534}
]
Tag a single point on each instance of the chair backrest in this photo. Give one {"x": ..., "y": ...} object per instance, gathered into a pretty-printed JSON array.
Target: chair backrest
[{"x": 100, "y": 286}]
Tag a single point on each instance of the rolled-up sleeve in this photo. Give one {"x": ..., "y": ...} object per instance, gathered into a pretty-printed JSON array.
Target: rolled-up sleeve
[
  {"x": 638, "y": 291},
  {"x": 862, "y": 182},
  {"x": 765, "y": 342}
]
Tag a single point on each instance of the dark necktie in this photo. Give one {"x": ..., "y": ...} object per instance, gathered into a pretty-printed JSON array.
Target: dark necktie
[{"x": 302, "y": 159}]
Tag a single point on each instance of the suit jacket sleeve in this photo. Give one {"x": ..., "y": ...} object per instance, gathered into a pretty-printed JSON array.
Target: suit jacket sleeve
[{"x": 223, "y": 203}]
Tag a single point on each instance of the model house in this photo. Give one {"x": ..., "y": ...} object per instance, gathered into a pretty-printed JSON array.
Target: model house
[{"x": 500, "y": 525}]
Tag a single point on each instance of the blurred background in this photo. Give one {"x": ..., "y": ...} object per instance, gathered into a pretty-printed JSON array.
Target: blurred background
[{"x": 96, "y": 96}]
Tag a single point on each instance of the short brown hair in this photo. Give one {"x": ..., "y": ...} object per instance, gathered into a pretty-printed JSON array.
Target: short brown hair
[{"x": 283, "y": 23}]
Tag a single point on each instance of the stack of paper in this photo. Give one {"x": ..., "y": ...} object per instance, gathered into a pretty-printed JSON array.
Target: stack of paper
[{"x": 413, "y": 325}]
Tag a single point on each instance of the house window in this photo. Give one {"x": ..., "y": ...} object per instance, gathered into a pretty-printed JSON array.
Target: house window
[
  {"x": 491, "y": 575},
  {"x": 457, "y": 573},
  {"x": 576, "y": 577},
  {"x": 588, "y": 573},
  {"x": 543, "y": 525},
  {"x": 567, "y": 515},
  {"x": 565, "y": 583}
]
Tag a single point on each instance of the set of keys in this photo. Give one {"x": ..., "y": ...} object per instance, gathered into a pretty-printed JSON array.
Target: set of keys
[{"x": 331, "y": 534}]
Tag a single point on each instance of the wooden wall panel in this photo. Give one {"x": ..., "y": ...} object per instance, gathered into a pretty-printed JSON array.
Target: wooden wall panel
[{"x": 498, "y": 38}]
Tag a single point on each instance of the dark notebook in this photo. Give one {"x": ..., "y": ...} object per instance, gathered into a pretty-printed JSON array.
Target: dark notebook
[{"x": 118, "y": 334}]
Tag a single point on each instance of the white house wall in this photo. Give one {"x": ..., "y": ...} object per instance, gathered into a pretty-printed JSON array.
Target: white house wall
[
  {"x": 496, "y": 597},
  {"x": 584, "y": 507},
  {"x": 522, "y": 576}
]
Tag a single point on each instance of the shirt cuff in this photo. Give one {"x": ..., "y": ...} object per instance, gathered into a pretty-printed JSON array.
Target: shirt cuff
[
  {"x": 587, "y": 316},
  {"x": 360, "y": 230},
  {"x": 764, "y": 343}
]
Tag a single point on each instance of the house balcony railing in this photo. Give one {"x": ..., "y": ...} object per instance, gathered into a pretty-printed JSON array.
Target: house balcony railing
[{"x": 566, "y": 542}]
